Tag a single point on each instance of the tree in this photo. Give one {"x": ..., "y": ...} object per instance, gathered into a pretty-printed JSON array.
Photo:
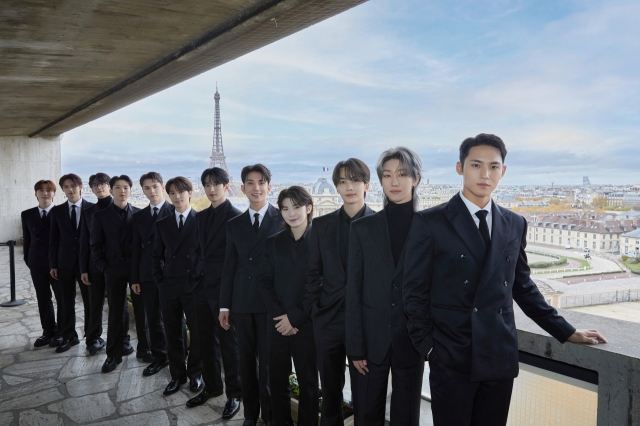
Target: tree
[{"x": 599, "y": 202}]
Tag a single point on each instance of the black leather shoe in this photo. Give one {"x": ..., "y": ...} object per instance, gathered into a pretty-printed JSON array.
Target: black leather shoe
[
  {"x": 110, "y": 364},
  {"x": 66, "y": 345},
  {"x": 203, "y": 397},
  {"x": 174, "y": 386},
  {"x": 55, "y": 342},
  {"x": 248, "y": 422},
  {"x": 145, "y": 356},
  {"x": 154, "y": 367},
  {"x": 127, "y": 349},
  {"x": 231, "y": 408},
  {"x": 96, "y": 346},
  {"x": 42, "y": 341},
  {"x": 195, "y": 385}
]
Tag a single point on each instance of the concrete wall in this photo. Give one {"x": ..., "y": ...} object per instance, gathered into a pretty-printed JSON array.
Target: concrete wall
[{"x": 23, "y": 162}]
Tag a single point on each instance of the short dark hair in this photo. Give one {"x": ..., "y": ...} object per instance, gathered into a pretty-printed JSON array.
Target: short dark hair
[
  {"x": 215, "y": 175},
  {"x": 74, "y": 178},
  {"x": 260, "y": 168},
  {"x": 99, "y": 178},
  {"x": 126, "y": 178},
  {"x": 354, "y": 169},
  {"x": 154, "y": 176},
  {"x": 299, "y": 197},
  {"x": 483, "y": 139},
  {"x": 180, "y": 184},
  {"x": 41, "y": 184}
]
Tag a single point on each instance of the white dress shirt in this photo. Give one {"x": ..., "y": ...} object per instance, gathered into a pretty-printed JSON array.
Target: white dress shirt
[
  {"x": 48, "y": 210},
  {"x": 184, "y": 214},
  {"x": 473, "y": 209},
  {"x": 78, "y": 205},
  {"x": 159, "y": 206}
]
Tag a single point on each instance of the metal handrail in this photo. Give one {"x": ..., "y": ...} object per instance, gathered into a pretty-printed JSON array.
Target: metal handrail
[{"x": 12, "y": 276}]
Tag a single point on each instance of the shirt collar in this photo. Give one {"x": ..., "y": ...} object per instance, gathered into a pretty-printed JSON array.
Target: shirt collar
[
  {"x": 184, "y": 214},
  {"x": 261, "y": 212},
  {"x": 345, "y": 217},
  {"x": 473, "y": 209},
  {"x": 216, "y": 209},
  {"x": 48, "y": 209},
  {"x": 159, "y": 206},
  {"x": 77, "y": 203}
]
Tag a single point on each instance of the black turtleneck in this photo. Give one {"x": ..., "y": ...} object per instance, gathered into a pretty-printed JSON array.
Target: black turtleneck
[
  {"x": 104, "y": 202},
  {"x": 399, "y": 217}
]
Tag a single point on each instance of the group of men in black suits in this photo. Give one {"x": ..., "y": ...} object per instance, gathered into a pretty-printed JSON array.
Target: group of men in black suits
[{"x": 387, "y": 290}]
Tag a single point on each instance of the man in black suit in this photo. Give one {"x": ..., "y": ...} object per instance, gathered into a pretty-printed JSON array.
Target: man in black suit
[
  {"x": 35, "y": 234},
  {"x": 240, "y": 289},
  {"x": 289, "y": 331},
  {"x": 64, "y": 258},
  {"x": 176, "y": 271},
  {"x": 327, "y": 280},
  {"x": 376, "y": 327},
  {"x": 465, "y": 265},
  {"x": 111, "y": 237},
  {"x": 217, "y": 346},
  {"x": 144, "y": 230}
]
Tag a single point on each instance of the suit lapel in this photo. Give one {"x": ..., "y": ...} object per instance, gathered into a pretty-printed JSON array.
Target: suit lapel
[
  {"x": 189, "y": 224},
  {"x": 127, "y": 219},
  {"x": 463, "y": 223},
  {"x": 264, "y": 226},
  {"x": 332, "y": 228},
  {"x": 500, "y": 232},
  {"x": 37, "y": 220},
  {"x": 382, "y": 240},
  {"x": 218, "y": 220}
]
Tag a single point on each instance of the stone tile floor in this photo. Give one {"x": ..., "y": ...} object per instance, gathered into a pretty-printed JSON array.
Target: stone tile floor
[{"x": 42, "y": 387}]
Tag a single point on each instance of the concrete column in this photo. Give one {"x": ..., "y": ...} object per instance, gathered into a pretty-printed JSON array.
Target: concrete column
[{"x": 23, "y": 162}]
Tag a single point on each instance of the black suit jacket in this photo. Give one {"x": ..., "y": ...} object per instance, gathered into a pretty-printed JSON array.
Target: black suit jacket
[
  {"x": 374, "y": 319},
  {"x": 240, "y": 289},
  {"x": 144, "y": 229},
  {"x": 176, "y": 254},
  {"x": 35, "y": 235},
  {"x": 326, "y": 277},
  {"x": 64, "y": 238},
  {"x": 282, "y": 281},
  {"x": 86, "y": 264},
  {"x": 213, "y": 242},
  {"x": 111, "y": 239},
  {"x": 459, "y": 298}
]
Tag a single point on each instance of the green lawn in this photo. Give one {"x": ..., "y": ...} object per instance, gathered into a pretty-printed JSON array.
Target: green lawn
[{"x": 633, "y": 267}]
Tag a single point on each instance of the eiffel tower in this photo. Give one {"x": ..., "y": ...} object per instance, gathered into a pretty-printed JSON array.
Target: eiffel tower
[{"x": 217, "y": 153}]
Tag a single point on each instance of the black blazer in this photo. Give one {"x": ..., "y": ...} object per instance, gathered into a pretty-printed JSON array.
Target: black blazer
[
  {"x": 64, "y": 239},
  {"x": 213, "y": 243},
  {"x": 35, "y": 235},
  {"x": 282, "y": 282},
  {"x": 326, "y": 277},
  {"x": 459, "y": 299},
  {"x": 374, "y": 319},
  {"x": 176, "y": 254},
  {"x": 240, "y": 289},
  {"x": 111, "y": 239},
  {"x": 86, "y": 264},
  {"x": 144, "y": 230}
]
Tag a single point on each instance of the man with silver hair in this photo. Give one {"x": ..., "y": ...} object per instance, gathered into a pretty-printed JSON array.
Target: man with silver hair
[{"x": 376, "y": 326}]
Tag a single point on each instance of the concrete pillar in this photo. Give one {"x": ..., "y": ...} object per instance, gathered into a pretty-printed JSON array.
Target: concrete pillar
[{"x": 23, "y": 162}]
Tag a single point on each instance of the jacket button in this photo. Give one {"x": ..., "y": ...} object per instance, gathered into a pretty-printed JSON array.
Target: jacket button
[
  {"x": 395, "y": 286},
  {"x": 504, "y": 283},
  {"x": 466, "y": 281},
  {"x": 148, "y": 242},
  {"x": 173, "y": 257},
  {"x": 475, "y": 309},
  {"x": 187, "y": 271},
  {"x": 393, "y": 305},
  {"x": 462, "y": 256},
  {"x": 187, "y": 256},
  {"x": 250, "y": 259},
  {"x": 249, "y": 277},
  {"x": 500, "y": 311}
]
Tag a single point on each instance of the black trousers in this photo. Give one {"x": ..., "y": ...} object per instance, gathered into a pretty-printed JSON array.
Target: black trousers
[
  {"x": 118, "y": 322},
  {"x": 301, "y": 347},
  {"x": 218, "y": 347},
  {"x": 332, "y": 357},
  {"x": 155, "y": 324},
  {"x": 176, "y": 305},
  {"x": 254, "y": 364},
  {"x": 370, "y": 400},
  {"x": 96, "y": 297},
  {"x": 140, "y": 317},
  {"x": 68, "y": 279},
  {"x": 455, "y": 401},
  {"x": 43, "y": 283}
]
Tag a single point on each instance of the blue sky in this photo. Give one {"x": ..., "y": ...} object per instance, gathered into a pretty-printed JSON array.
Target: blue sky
[{"x": 558, "y": 81}]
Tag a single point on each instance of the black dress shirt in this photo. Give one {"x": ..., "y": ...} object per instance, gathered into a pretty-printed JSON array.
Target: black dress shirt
[
  {"x": 399, "y": 218},
  {"x": 345, "y": 223}
]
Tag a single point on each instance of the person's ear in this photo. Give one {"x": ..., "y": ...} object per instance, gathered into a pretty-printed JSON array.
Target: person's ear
[
  {"x": 226, "y": 187},
  {"x": 242, "y": 189},
  {"x": 504, "y": 170},
  {"x": 459, "y": 168}
]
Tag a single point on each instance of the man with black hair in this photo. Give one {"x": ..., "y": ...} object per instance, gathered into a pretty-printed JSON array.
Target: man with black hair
[
  {"x": 240, "y": 297},
  {"x": 177, "y": 271},
  {"x": 464, "y": 267},
  {"x": 64, "y": 259},
  {"x": 111, "y": 237},
  {"x": 144, "y": 230},
  {"x": 324, "y": 298},
  {"x": 220, "y": 347}
]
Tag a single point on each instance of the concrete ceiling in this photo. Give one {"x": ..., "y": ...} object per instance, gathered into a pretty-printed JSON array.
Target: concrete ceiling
[{"x": 64, "y": 63}]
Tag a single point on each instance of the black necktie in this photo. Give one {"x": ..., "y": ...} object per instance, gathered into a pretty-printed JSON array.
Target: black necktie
[
  {"x": 155, "y": 214},
  {"x": 181, "y": 225},
  {"x": 256, "y": 222},
  {"x": 74, "y": 219},
  {"x": 44, "y": 215},
  {"x": 484, "y": 227}
]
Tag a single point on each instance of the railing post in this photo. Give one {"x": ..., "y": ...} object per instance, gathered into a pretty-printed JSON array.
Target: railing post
[{"x": 12, "y": 277}]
